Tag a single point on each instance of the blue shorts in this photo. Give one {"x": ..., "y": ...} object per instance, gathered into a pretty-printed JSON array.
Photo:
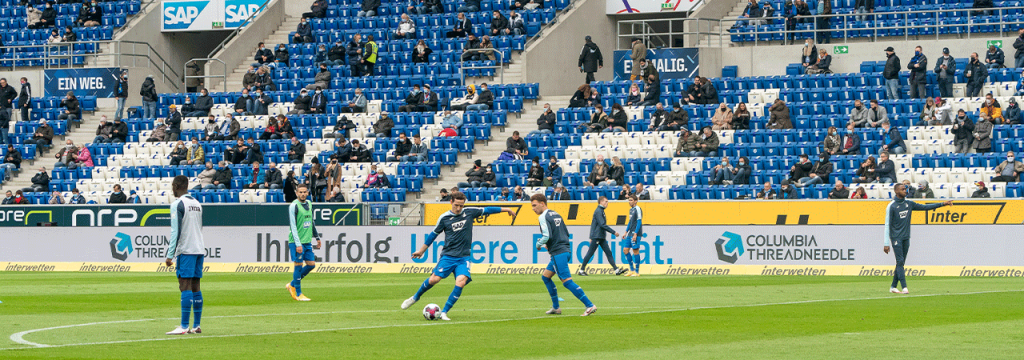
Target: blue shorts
[
  {"x": 627, "y": 243},
  {"x": 449, "y": 264},
  {"x": 190, "y": 266},
  {"x": 559, "y": 264},
  {"x": 306, "y": 255}
]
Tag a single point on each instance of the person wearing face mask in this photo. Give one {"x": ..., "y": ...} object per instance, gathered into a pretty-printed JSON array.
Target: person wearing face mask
[
  {"x": 722, "y": 119},
  {"x": 590, "y": 59},
  {"x": 303, "y": 33},
  {"x": 617, "y": 120},
  {"x": 991, "y": 110},
  {"x": 118, "y": 197},
  {"x": 301, "y": 103},
  {"x": 43, "y": 136},
  {"x": 707, "y": 143},
  {"x": 1009, "y": 170},
  {"x": 851, "y": 142},
  {"x": 832, "y": 143},
  {"x": 54, "y": 37},
  {"x": 249, "y": 79},
  {"x": 322, "y": 57},
  {"x": 679, "y": 119},
  {"x": 40, "y": 181},
  {"x": 741, "y": 171},
  {"x": 428, "y": 100},
  {"x": 451, "y": 121},
  {"x": 318, "y": 102},
  {"x": 977, "y": 75},
  {"x": 195, "y": 155},
  {"x": 122, "y": 95},
  {"x": 891, "y": 74},
  {"x": 918, "y": 67},
  {"x": 412, "y": 100},
  {"x": 321, "y": 80},
  {"x": 819, "y": 172},
  {"x": 945, "y": 69},
  {"x": 47, "y": 18},
  {"x": 187, "y": 108},
  {"x": 653, "y": 94},
  {"x": 281, "y": 55},
  {"x": 860, "y": 115},
  {"x": 264, "y": 81},
  {"x": 66, "y": 155},
  {"x": 994, "y": 58},
  {"x": 722, "y": 173},
  {"x": 767, "y": 193},
  {"x": 660, "y": 118},
  {"x": 93, "y": 15},
  {"x": 787, "y": 191},
  {"x": 211, "y": 130},
  {"x": 261, "y": 103},
  {"x": 983, "y": 136},
  {"x": 173, "y": 122},
  {"x": 896, "y": 144},
  {"x": 406, "y": 28},
  {"x": 1012, "y": 115},
  {"x": 263, "y": 55},
  {"x": 149, "y": 98},
  {"x": 357, "y": 105},
  {"x": 244, "y": 103},
  {"x": 484, "y": 101},
  {"x": 11, "y": 162},
  {"x": 421, "y": 52},
  {"x": 810, "y": 54}
]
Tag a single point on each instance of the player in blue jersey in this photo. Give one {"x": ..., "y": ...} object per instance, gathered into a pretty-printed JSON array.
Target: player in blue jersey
[
  {"x": 186, "y": 244},
  {"x": 634, "y": 231},
  {"x": 457, "y": 226},
  {"x": 897, "y": 232},
  {"x": 555, "y": 236}
]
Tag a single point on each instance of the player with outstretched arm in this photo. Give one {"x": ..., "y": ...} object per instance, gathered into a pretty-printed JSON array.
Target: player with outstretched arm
[
  {"x": 555, "y": 236},
  {"x": 634, "y": 231},
  {"x": 301, "y": 232},
  {"x": 186, "y": 244},
  {"x": 897, "y": 231},
  {"x": 457, "y": 226}
]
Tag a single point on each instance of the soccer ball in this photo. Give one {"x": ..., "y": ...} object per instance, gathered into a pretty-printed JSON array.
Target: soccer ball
[{"x": 431, "y": 312}]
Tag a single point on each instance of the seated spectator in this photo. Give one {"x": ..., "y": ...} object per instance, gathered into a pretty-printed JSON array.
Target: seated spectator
[
  {"x": 222, "y": 178},
  {"x": 832, "y": 143},
  {"x": 910, "y": 189},
  {"x": 270, "y": 132},
  {"x": 499, "y": 24},
  {"x": 118, "y": 197},
  {"x": 83, "y": 157},
  {"x": 579, "y": 98},
  {"x": 617, "y": 122},
  {"x": 878, "y": 114},
  {"x": 679, "y": 119},
  {"x": 470, "y": 99},
  {"x": 46, "y": 18},
  {"x": 560, "y": 193},
  {"x": 179, "y": 153},
  {"x": 707, "y": 144},
  {"x": 357, "y": 105},
  {"x": 767, "y": 193},
  {"x": 599, "y": 174},
  {"x": 653, "y": 94},
  {"x": 284, "y": 128},
  {"x": 9, "y": 199},
  {"x": 281, "y": 56},
  {"x": 336, "y": 195},
  {"x": 708, "y": 93},
  {"x": 692, "y": 93},
  {"x": 430, "y": 7},
  {"x": 474, "y": 176},
  {"x": 451, "y": 121},
  {"x": 204, "y": 102},
  {"x": 321, "y": 56},
  {"x": 71, "y": 107},
  {"x": 303, "y": 34},
  {"x": 659, "y": 119},
  {"x": 412, "y": 100},
  {"x": 983, "y": 4},
  {"x": 864, "y": 7},
  {"x": 859, "y": 115},
  {"x": 516, "y": 24},
  {"x": 342, "y": 148},
  {"x": 250, "y": 77},
  {"x": 995, "y": 58},
  {"x": 421, "y": 52},
  {"x": 1009, "y": 170},
  {"x": 991, "y": 110},
  {"x": 263, "y": 55},
  {"x": 368, "y": 8},
  {"x": 722, "y": 120},
  {"x": 839, "y": 191},
  {"x": 12, "y": 162},
  {"x": 896, "y": 144},
  {"x": 851, "y": 141},
  {"x": 273, "y": 178},
  {"x": 535, "y": 176},
  {"x": 923, "y": 191},
  {"x": 553, "y": 174},
  {"x": 617, "y": 172},
  {"x": 406, "y": 28},
  {"x": 264, "y": 81},
  {"x": 158, "y": 135},
  {"x": 244, "y": 103},
  {"x": 641, "y": 193},
  {"x": 297, "y": 152},
  {"x": 722, "y": 173},
  {"x": 545, "y": 123},
  {"x": 469, "y": 6},
  {"x": 927, "y": 116},
  {"x": 318, "y": 103},
  {"x": 341, "y": 128},
  {"x": 195, "y": 155},
  {"x": 134, "y": 198},
  {"x": 519, "y": 195},
  {"x": 471, "y": 49},
  {"x": 235, "y": 154},
  {"x": 302, "y": 103},
  {"x": 594, "y": 99},
  {"x": 41, "y": 137},
  {"x": 531, "y": 4},
  {"x": 982, "y": 191},
  {"x": 779, "y": 116},
  {"x": 377, "y": 178},
  {"x": 810, "y": 54},
  {"x": 428, "y": 102},
  {"x": 445, "y": 197},
  {"x": 859, "y": 194},
  {"x": 318, "y": 10},
  {"x": 1012, "y": 115},
  {"x": 866, "y": 171},
  {"x": 69, "y": 35},
  {"x": 822, "y": 65},
  {"x": 382, "y": 128},
  {"x": 886, "y": 169},
  {"x": 206, "y": 177},
  {"x": 787, "y": 192},
  {"x": 462, "y": 27},
  {"x": 66, "y": 155},
  {"x": 687, "y": 145},
  {"x": 253, "y": 152},
  {"x": 819, "y": 172},
  {"x": 983, "y": 135},
  {"x": 633, "y": 98},
  {"x": 76, "y": 198},
  {"x": 484, "y": 102},
  {"x": 211, "y": 129},
  {"x": 418, "y": 151},
  {"x": 515, "y": 148},
  {"x": 91, "y": 15},
  {"x": 598, "y": 121},
  {"x": 801, "y": 169},
  {"x": 54, "y": 37},
  {"x": 358, "y": 153},
  {"x": 103, "y": 131},
  {"x": 336, "y": 54},
  {"x": 741, "y": 172},
  {"x": 322, "y": 79},
  {"x": 402, "y": 148},
  {"x": 256, "y": 178}
]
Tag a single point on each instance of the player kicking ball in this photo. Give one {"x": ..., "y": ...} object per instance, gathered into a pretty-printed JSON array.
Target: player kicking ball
[
  {"x": 555, "y": 236},
  {"x": 634, "y": 230},
  {"x": 186, "y": 244},
  {"x": 300, "y": 238},
  {"x": 457, "y": 226},
  {"x": 897, "y": 232}
]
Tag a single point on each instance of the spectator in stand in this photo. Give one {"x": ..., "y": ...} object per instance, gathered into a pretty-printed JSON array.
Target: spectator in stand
[
  {"x": 341, "y": 128},
  {"x": 707, "y": 144},
  {"x": 598, "y": 174},
  {"x": 864, "y": 7},
  {"x": 786, "y": 191},
  {"x": 318, "y": 10},
  {"x": 281, "y": 56},
  {"x": 421, "y": 52},
  {"x": 885, "y": 170},
  {"x": 982, "y": 191},
  {"x": 779, "y": 116},
  {"x": 653, "y": 94},
  {"x": 515, "y": 147},
  {"x": 878, "y": 114},
  {"x": 819, "y": 172},
  {"x": 260, "y": 103},
  {"x": 70, "y": 104},
  {"x": 553, "y": 174},
  {"x": 12, "y": 161},
  {"x": 579, "y": 98},
  {"x": 211, "y": 129},
  {"x": 801, "y": 169},
  {"x": 943, "y": 112},
  {"x": 860, "y": 115},
  {"x": 705, "y": 92},
  {"x": 333, "y": 174},
  {"x": 740, "y": 116},
  {"x": 499, "y": 24},
  {"x": 560, "y": 193},
  {"x": 428, "y": 100},
  {"x": 336, "y": 195},
  {"x": 69, "y": 35},
  {"x": 945, "y": 68},
  {"x": 24, "y": 102},
  {"x": 270, "y": 132},
  {"x": 66, "y": 155},
  {"x": 617, "y": 121},
  {"x": 173, "y": 122},
  {"x": 660, "y": 118},
  {"x": 445, "y": 197},
  {"x": 91, "y": 15},
  {"x": 469, "y": 6},
  {"x": 977, "y": 76},
  {"x": 377, "y": 178},
  {"x": 222, "y": 179},
  {"x": 329, "y": 57},
  {"x": 616, "y": 173},
  {"x": 923, "y": 191},
  {"x": 822, "y": 24},
  {"x": 1012, "y": 115},
  {"x": 535, "y": 176},
  {"x": 76, "y": 198},
  {"x": 263, "y": 55},
  {"x": 430, "y": 7},
  {"x": 891, "y": 74},
  {"x": 677, "y": 119},
  {"x": 634, "y": 97},
  {"x": 9, "y": 199},
  {"x": 722, "y": 120},
  {"x": 303, "y": 33},
  {"x": 918, "y": 67},
  {"x": 54, "y": 37},
  {"x": 722, "y": 173},
  {"x": 318, "y": 103},
  {"x": 120, "y": 132},
  {"x": 839, "y": 191},
  {"x": 987, "y": 5},
  {"x": 359, "y": 152},
  {"x": 369, "y": 56},
  {"x": 991, "y": 110},
  {"x": 545, "y": 123},
  {"x": 40, "y": 181},
  {"x": 1018, "y": 44},
  {"x": 8, "y": 94},
  {"x": 204, "y": 102},
  {"x": 639, "y": 54},
  {"x": 406, "y": 28},
  {"x": 767, "y": 193},
  {"x": 927, "y": 116},
  {"x": 810, "y": 54},
  {"x": 297, "y": 152},
  {"x": 417, "y": 152},
  {"x": 368, "y": 8},
  {"x": 595, "y": 98},
  {"x": 256, "y": 177},
  {"x": 357, "y": 105},
  {"x": 641, "y": 193},
  {"x": 342, "y": 149},
  {"x": 264, "y": 81},
  {"x": 741, "y": 172},
  {"x": 412, "y": 100},
  {"x": 484, "y": 101},
  {"x": 46, "y": 18},
  {"x": 206, "y": 178},
  {"x": 1009, "y": 170},
  {"x": 516, "y": 24},
  {"x": 118, "y": 196},
  {"x": 253, "y": 152},
  {"x": 302, "y": 103},
  {"x": 598, "y": 121},
  {"x": 103, "y": 131},
  {"x": 402, "y": 148},
  {"x": 591, "y": 60},
  {"x": 284, "y": 128},
  {"x": 235, "y": 154},
  {"x": 273, "y": 178},
  {"x": 322, "y": 79},
  {"x": 859, "y": 194},
  {"x": 470, "y": 99},
  {"x": 250, "y": 77},
  {"x": 19, "y": 198},
  {"x": 832, "y": 143},
  {"x": 983, "y": 136},
  {"x": 822, "y": 65},
  {"x": 382, "y": 128},
  {"x": 462, "y": 27},
  {"x": 84, "y": 157},
  {"x": 451, "y": 121},
  {"x": 687, "y": 145},
  {"x": 354, "y": 51},
  {"x": 519, "y": 195},
  {"x": 42, "y": 137},
  {"x": 194, "y": 155}
]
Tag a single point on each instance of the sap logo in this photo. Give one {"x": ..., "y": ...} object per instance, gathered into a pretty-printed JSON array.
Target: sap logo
[
  {"x": 456, "y": 226},
  {"x": 121, "y": 246},
  {"x": 175, "y": 15},
  {"x": 238, "y": 13},
  {"x": 729, "y": 247}
]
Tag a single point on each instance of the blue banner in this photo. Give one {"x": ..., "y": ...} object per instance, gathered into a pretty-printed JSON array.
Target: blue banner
[
  {"x": 676, "y": 63},
  {"x": 98, "y": 82}
]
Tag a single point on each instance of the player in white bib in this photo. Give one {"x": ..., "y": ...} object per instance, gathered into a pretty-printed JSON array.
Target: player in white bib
[{"x": 186, "y": 244}]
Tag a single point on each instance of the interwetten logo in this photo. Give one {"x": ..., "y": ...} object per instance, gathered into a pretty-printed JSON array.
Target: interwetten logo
[
  {"x": 121, "y": 246},
  {"x": 730, "y": 247}
]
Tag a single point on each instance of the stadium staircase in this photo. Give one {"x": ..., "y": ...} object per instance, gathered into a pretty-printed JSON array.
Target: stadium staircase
[{"x": 281, "y": 36}]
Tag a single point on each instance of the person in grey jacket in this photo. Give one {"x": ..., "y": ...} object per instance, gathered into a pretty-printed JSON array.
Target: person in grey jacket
[
  {"x": 897, "y": 231},
  {"x": 357, "y": 105},
  {"x": 983, "y": 136},
  {"x": 860, "y": 115},
  {"x": 598, "y": 231},
  {"x": 321, "y": 80}
]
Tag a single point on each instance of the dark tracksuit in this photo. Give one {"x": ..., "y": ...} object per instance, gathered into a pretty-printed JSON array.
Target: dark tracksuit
[
  {"x": 598, "y": 229},
  {"x": 897, "y": 232}
]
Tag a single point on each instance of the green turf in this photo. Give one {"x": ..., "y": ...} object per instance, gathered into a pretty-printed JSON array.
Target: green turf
[{"x": 501, "y": 317}]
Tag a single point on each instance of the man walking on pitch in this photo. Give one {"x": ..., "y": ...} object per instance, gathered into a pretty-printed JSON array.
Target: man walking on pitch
[
  {"x": 301, "y": 233},
  {"x": 897, "y": 231},
  {"x": 555, "y": 236},
  {"x": 598, "y": 228},
  {"x": 457, "y": 226},
  {"x": 186, "y": 244},
  {"x": 634, "y": 231}
]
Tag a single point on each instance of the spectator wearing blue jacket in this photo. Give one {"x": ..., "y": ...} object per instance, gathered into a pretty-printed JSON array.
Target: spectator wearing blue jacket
[
  {"x": 256, "y": 178},
  {"x": 553, "y": 173},
  {"x": 896, "y": 144},
  {"x": 995, "y": 57},
  {"x": 851, "y": 142},
  {"x": 451, "y": 121},
  {"x": 303, "y": 33}
]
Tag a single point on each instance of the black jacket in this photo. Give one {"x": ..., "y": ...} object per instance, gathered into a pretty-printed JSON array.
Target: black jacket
[
  {"x": 121, "y": 131},
  {"x": 204, "y": 103},
  {"x": 318, "y": 103},
  {"x": 414, "y": 99},
  {"x": 546, "y": 121},
  {"x": 5, "y": 120},
  {"x": 15, "y": 158},
  {"x": 300, "y": 152},
  {"x": 361, "y": 153},
  {"x": 965, "y": 131},
  {"x": 512, "y": 145},
  {"x": 71, "y": 105},
  {"x": 979, "y": 73},
  {"x": 486, "y": 97},
  {"x": 41, "y": 178},
  {"x": 118, "y": 198},
  {"x": 475, "y": 174},
  {"x": 919, "y": 75},
  {"x": 319, "y": 8},
  {"x": 352, "y": 50},
  {"x": 1019, "y": 45},
  {"x": 242, "y": 102},
  {"x": 599, "y": 225},
  {"x": 590, "y": 57},
  {"x": 122, "y": 88},
  {"x": 273, "y": 176},
  {"x": 260, "y": 53},
  {"x": 499, "y": 23},
  {"x": 223, "y": 176},
  {"x": 25, "y": 97},
  {"x": 302, "y": 102},
  {"x": 616, "y": 173},
  {"x": 173, "y": 121},
  {"x": 148, "y": 91},
  {"x": 50, "y": 15},
  {"x": 7, "y": 96},
  {"x": 403, "y": 148},
  {"x": 892, "y": 67},
  {"x": 370, "y": 5}
]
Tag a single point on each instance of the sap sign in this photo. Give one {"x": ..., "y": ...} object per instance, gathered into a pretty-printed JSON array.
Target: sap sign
[
  {"x": 236, "y": 11},
  {"x": 207, "y": 15}
]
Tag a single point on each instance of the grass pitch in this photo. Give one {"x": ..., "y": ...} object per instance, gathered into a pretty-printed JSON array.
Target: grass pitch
[{"x": 251, "y": 316}]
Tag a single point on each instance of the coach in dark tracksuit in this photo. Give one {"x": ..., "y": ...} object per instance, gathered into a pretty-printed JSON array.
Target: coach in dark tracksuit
[
  {"x": 598, "y": 228},
  {"x": 897, "y": 231}
]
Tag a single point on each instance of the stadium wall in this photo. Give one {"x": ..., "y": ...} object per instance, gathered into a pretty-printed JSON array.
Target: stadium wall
[
  {"x": 551, "y": 60},
  {"x": 243, "y": 45}
]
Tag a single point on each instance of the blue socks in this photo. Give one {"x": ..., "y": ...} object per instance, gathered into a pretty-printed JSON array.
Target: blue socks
[
  {"x": 452, "y": 298},
  {"x": 629, "y": 259},
  {"x": 297, "y": 279},
  {"x": 575, "y": 289},
  {"x": 423, "y": 289},
  {"x": 636, "y": 260},
  {"x": 551, "y": 291},
  {"x": 306, "y": 270},
  {"x": 197, "y": 308},
  {"x": 186, "y": 307}
]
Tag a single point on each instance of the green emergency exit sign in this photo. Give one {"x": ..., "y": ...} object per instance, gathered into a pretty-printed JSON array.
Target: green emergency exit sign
[
  {"x": 666, "y": 6},
  {"x": 218, "y": 24},
  {"x": 996, "y": 43},
  {"x": 841, "y": 49}
]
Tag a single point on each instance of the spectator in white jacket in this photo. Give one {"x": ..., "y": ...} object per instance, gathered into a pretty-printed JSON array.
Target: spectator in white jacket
[{"x": 406, "y": 28}]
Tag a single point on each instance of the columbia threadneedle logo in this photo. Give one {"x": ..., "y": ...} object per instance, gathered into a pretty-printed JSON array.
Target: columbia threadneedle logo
[
  {"x": 121, "y": 246},
  {"x": 730, "y": 247}
]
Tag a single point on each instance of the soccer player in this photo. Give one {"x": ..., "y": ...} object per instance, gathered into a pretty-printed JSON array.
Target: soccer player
[
  {"x": 598, "y": 228},
  {"x": 634, "y": 230},
  {"x": 457, "y": 226},
  {"x": 555, "y": 236},
  {"x": 187, "y": 245},
  {"x": 301, "y": 233},
  {"x": 897, "y": 231}
]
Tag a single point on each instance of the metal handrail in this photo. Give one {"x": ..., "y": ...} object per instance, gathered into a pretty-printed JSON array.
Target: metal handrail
[
  {"x": 499, "y": 64},
  {"x": 204, "y": 76},
  {"x": 53, "y": 52},
  {"x": 232, "y": 35}
]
